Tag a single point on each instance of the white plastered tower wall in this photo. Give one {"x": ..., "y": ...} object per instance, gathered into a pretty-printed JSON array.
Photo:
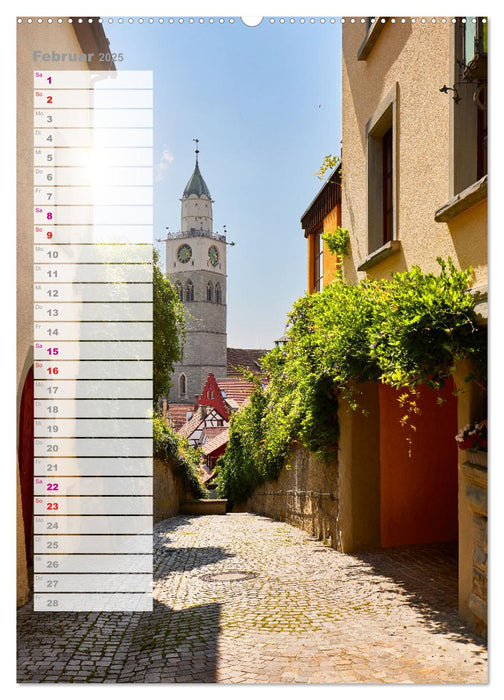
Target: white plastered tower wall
[
  {"x": 196, "y": 260},
  {"x": 196, "y": 213}
]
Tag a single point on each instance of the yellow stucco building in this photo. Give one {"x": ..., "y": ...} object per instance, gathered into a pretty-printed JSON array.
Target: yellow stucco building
[{"x": 414, "y": 188}]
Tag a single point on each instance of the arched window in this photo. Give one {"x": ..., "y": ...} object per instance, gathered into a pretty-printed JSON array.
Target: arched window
[
  {"x": 218, "y": 293},
  {"x": 209, "y": 292},
  {"x": 189, "y": 291},
  {"x": 182, "y": 385},
  {"x": 180, "y": 290}
]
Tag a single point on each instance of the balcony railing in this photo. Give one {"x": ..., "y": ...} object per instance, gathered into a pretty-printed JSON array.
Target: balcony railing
[{"x": 195, "y": 233}]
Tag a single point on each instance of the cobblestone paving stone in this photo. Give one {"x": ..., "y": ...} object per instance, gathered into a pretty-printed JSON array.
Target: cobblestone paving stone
[{"x": 240, "y": 598}]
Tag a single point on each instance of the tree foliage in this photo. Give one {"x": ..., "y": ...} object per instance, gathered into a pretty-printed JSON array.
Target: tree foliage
[
  {"x": 168, "y": 329},
  {"x": 337, "y": 241},
  {"x": 423, "y": 325},
  {"x": 250, "y": 457},
  {"x": 403, "y": 331},
  {"x": 169, "y": 447}
]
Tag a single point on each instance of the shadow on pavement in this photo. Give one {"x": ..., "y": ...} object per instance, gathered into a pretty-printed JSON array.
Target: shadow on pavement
[
  {"x": 168, "y": 560},
  {"x": 162, "y": 646},
  {"x": 427, "y": 576}
]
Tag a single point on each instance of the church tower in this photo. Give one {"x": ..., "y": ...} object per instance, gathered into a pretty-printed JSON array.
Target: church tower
[{"x": 196, "y": 265}]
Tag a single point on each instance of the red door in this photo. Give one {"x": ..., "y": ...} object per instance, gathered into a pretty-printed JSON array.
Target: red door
[{"x": 419, "y": 492}]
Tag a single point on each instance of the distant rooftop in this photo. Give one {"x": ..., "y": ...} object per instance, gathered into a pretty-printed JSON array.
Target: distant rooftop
[
  {"x": 177, "y": 414},
  {"x": 216, "y": 441},
  {"x": 241, "y": 357},
  {"x": 236, "y": 390}
]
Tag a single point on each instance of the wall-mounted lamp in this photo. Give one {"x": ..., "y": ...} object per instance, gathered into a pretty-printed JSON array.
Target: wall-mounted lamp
[{"x": 456, "y": 96}]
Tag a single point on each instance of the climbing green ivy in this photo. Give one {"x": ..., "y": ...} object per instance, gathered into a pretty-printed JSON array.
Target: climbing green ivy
[
  {"x": 169, "y": 447},
  {"x": 253, "y": 455},
  {"x": 337, "y": 241},
  {"x": 423, "y": 324},
  {"x": 403, "y": 331}
]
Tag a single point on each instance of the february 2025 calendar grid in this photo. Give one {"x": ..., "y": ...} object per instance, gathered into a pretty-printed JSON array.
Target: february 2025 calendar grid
[{"x": 251, "y": 371}]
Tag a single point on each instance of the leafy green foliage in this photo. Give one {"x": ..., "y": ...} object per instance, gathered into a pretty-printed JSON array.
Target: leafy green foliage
[
  {"x": 424, "y": 324},
  {"x": 337, "y": 241},
  {"x": 168, "y": 329},
  {"x": 250, "y": 458},
  {"x": 328, "y": 163},
  {"x": 402, "y": 331},
  {"x": 168, "y": 447}
]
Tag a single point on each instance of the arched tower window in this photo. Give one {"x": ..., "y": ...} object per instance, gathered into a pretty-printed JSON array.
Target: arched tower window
[
  {"x": 189, "y": 291},
  {"x": 180, "y": 290},
  {"x": 218, "y": 293},
  {"x": 182, "y": 385},
  {"x": 209, "y": 292}
]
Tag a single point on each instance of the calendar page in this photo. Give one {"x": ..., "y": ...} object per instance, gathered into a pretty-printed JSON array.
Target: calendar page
[{"x": 251, "y": 349}]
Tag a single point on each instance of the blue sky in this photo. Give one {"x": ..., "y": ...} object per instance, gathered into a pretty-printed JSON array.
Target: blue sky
[{"x": 265, "y": 103}]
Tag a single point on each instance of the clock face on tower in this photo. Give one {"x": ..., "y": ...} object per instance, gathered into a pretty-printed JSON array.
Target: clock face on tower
[
  {"x": 213, "y": 255},
  {"x": 184, "y": 253}
]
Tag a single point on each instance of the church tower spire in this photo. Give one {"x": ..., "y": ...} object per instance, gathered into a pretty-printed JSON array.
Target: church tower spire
[
  {"x": 196, "y": 209},
  {"x": 196, "y": 265}
]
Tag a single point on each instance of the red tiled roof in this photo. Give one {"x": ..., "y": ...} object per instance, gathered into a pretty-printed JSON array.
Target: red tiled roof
[
  {"x": 241, "y": 357},
  {"x": 216, "y": 442},
  {"x": 188, "y": 428},
  {"x": 236, "y": 389},
  {"x": 211, "y": 431},
  {"x": 177, "y": 414}
]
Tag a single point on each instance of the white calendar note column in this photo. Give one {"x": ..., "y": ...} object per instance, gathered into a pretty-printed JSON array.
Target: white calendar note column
[{"x": 92, "y": 222}]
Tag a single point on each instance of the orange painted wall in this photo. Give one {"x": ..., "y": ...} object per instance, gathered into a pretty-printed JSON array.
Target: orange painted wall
[
  {"x": 418, "y": 494},
  {"x": 331, "y": 221}
]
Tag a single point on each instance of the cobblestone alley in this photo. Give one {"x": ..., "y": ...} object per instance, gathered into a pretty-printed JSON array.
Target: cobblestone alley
[{"x": 241, "y": 598}]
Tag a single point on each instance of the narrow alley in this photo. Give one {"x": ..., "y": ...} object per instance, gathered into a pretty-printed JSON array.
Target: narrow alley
[{"x": 240, "y": 598}]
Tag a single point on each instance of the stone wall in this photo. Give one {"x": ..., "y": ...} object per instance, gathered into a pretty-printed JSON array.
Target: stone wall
[
  {"x": 305, "y": 495},
  {"x": 474, "y": 478},
  {"x": 168, "y": 490},
  {"x": 471, "y": 402}
]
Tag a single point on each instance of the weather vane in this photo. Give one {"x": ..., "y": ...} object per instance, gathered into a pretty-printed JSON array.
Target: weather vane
[{"x": 197, "y": 149}]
